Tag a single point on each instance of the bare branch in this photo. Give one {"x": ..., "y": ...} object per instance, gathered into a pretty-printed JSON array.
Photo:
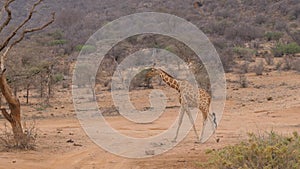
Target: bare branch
[
  {"x": 6, "y": 22},
  {"x": 6, "y": 115},
  {"x": 33, "y": 30},
  {"x": 22, "y": 35},
  {"x": 5, "y": 43},
  {"x": 3, "y": 57}
]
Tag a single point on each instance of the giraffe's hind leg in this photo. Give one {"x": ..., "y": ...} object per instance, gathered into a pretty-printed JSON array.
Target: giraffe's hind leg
[
  {"x": 210, "y": 118},
  {"x": 193, "y": 123}
]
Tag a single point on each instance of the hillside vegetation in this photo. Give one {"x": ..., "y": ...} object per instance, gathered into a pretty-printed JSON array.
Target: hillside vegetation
[{"x": 240, "y": 30}]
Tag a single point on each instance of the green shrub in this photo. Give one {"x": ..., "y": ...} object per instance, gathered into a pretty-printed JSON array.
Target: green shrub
[
  {"x": 57, "y": 42},
  {"x": 57, "y": 35},
  {"x": 273, "y": 36},
  {"x": 85, "y": 48},
  {"x": 281, "y": 49},
  {"x": 58, "y": 77},
  {"x": 262, "y": 151},
  {"x": 243, "y": 51},
  {"x": 33, "y": 70}
]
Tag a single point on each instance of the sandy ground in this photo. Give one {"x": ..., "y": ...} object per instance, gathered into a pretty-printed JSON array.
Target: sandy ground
[{"x": 270, "y": 102}]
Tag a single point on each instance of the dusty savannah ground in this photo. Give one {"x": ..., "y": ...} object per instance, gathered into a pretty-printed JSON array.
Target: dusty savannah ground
[{"x": 270, "y": 102}]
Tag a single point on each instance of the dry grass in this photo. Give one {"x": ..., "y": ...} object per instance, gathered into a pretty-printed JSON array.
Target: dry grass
[{"x": 8, "y": 142}]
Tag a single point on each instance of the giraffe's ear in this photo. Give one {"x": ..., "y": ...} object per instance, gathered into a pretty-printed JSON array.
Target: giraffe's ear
[
  {"x": 201, "y": 66},
  {"x": 154, "y": 64},
  {"x": 190, "y": 63}
]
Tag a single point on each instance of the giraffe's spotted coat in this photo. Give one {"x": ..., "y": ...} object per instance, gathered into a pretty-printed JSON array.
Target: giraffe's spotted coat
[{"x": 188, "y": 97}]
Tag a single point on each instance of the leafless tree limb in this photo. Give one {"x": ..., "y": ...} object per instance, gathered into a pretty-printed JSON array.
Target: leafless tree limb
[
  {"x": 6, "y": 114},
  {"x": 22, "y": 35},
  {"x": 6, "y": 22},
  {"x": 33, "y": 30},
  {"x": 5, "y": 43}
]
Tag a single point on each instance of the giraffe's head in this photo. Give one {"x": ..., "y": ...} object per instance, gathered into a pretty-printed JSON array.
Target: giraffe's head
[{"x": 152, "y": 72}]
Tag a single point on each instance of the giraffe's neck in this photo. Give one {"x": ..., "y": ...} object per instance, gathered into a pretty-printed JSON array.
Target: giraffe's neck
[{"x": 169, "y": 80}]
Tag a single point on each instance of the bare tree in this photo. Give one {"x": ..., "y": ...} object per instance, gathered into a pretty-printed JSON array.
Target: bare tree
[{"x": 7, "y": 43}]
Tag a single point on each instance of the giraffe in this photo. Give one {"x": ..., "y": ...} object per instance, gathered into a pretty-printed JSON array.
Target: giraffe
[{"x": 188, "y": 97}]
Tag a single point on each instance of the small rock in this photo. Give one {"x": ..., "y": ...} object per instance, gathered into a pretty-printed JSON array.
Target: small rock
[
  {"x": 71, "y": 134},
  {"x": 149, "y": 152},
  {"x": 79, "y": 145},
  {"x": 14, "y": 161},
  {"x": 62, "y": 106},
  {"x": 269, "y": 98},
  {"x": 70, "y": 141},
  {"x": 181, "y": 160}
]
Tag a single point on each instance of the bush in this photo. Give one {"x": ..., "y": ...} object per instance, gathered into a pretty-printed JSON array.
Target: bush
[
  {"x": 57, "y": 42},
  {"x": 244, "y": 32},
  {"x": 29, "y": 143},
  {"x": 262, "y": 151},
  {"x": 85, "y": 48},
  {"x": 296, "y": 64},
  {"x": 280, "y": 25},
  {"x": 245, "y": 67},
  {"x": 294, "y": 13},
  {"x": 243, "y": 81},
  {"x": 245, "y": 53},
  {"x": 259, "y": 68},
  {"x": 273, "y": 36},
  {"x": 269, "y": 59},
  {"x": 281, "y": 49},
  {"x": 287, "y": 60},
  {"x": 58, "y": 77},
  {"x": 227, "y": 59},
  {"x": 260, "y": 19},
  {"x": 218, "y": 27},
  {"x": 57, "y": 35}
]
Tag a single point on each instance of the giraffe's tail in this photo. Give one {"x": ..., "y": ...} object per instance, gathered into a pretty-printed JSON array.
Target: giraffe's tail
[{"x": 214, "y": 119}]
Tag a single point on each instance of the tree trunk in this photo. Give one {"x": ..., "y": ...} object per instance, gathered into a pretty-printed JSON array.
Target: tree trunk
[
  {"x": 14, "y": 117},
  {"x": 27, "y": 93},
  {"x": 42, "y": 86}
]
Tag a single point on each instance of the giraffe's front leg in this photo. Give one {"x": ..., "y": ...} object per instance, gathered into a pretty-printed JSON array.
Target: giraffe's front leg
[
  {"x": 179, "y": 124},
  {"x": 193, "y": 123}
]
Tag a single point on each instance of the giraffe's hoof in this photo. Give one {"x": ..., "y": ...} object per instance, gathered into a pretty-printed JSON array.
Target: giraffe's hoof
[
  {"x": 197, "y": 142},
  {"x": 174, "y": 141}
]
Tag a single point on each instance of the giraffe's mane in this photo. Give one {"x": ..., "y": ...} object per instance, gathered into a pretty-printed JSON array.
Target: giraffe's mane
[{"x": 165, "y": 73}]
